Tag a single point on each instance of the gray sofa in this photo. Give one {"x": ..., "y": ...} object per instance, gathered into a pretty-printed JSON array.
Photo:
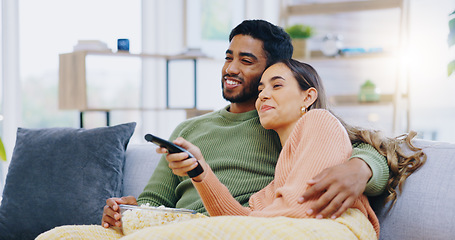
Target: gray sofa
[
  {"x": 424, "y": 210},
  {"x": 64, "y": 176}
]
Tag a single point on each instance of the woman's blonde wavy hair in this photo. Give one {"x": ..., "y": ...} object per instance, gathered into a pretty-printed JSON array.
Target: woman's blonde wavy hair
[{"x": 401, "y": 164}]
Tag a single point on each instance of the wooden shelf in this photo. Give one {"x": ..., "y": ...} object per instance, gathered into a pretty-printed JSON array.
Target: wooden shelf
[
  {"x": 146, "y": 55},
  {"x": 73, "y": 82},
  {"x": 398, "y": 98},
  {"x": 318, "y": 56},
  {"x": 352, "y": 100},
  {"x": 340, "y": 7}
]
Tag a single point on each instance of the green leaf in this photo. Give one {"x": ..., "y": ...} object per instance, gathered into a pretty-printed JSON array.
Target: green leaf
[
  {"x": 451, "y": 68},
  {"x": 300, "y": 31},
  {"x": 451, "y": 38},
  {"x": 2, "y": 151}
]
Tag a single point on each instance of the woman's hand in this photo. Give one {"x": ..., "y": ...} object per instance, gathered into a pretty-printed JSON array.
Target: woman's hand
[{"x": 180, "y": 164}]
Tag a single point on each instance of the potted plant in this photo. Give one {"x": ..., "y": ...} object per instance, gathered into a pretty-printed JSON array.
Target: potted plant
[
  {"x": 299, "y": 34},
  {"x": 369, "y": 92},
  {"x": 2, "y": 151}
]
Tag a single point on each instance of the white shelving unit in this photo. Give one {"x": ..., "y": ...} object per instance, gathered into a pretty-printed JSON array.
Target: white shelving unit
[
  {"x": 398, "y": 95},
  {"x": 73, "y": 89}
]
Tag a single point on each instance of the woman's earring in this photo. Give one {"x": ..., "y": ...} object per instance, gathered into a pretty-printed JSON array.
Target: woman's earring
[{"x": 303, "y": 110}]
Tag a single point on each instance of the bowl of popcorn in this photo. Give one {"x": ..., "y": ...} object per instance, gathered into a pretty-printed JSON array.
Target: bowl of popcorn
[{"x": 135, "y": 217}]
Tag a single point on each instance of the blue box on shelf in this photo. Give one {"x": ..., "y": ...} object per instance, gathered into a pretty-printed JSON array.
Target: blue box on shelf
[{"x": 123, "y": 44}]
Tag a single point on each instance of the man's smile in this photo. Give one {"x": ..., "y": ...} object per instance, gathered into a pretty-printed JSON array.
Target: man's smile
[{"x": 230, "y": 82}]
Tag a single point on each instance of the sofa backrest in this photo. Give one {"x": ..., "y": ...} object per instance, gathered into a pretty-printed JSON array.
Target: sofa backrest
[{"x": 425, "y": 209}]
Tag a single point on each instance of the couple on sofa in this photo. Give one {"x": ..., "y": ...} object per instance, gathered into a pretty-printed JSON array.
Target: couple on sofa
[{"x": 291, "y": 107}]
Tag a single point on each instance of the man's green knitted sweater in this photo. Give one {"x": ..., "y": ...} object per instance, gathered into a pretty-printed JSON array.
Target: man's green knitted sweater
[{"x": 241, "y": 153}]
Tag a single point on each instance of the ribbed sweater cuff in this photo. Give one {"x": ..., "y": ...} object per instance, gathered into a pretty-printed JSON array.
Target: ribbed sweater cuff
[
  {"x": 378, "y": 165},
  {"x": 217, "y": 198}
]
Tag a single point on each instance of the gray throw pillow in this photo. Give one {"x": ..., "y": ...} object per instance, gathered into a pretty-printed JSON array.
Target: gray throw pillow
[{"x": 61, "y": 176}]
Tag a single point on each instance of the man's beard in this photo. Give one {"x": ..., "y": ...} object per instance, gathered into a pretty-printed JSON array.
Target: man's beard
[{"x": 249, "y": 92}]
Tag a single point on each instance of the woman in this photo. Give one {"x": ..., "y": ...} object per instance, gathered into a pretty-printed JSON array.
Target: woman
[
  {"x": 291, "y": 102},
  {"x": 287, "y": 90}
]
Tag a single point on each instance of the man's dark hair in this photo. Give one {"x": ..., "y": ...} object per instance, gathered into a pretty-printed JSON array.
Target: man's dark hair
[{"x": 277, "y": 43}]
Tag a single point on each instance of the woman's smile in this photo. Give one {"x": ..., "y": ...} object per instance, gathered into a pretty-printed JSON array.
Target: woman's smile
[{"x": 265, "y": 108}]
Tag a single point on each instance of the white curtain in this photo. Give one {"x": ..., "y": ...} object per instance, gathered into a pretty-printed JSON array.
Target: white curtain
[{"x": 10, "y": 80}]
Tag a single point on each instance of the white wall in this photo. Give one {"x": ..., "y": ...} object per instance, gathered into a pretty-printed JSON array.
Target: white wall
[{"x": 432, "y": 91}]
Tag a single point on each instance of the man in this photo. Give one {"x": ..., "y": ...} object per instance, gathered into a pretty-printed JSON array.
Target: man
[{"x": 243, "y": 154}]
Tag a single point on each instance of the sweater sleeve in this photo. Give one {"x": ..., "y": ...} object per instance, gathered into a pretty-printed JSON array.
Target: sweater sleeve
[
  {"x": 317, "y": 142},
  {"x": 217, "y": 198},
  {"x": 378, "y": 165},
  {"x": 160, "y": 189}
]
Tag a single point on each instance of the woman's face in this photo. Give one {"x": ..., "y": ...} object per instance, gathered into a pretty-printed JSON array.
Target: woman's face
[{"x": 280, "y": 98}]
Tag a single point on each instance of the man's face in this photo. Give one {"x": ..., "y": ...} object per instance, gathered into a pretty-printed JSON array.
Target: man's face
[{"x": 242, "y": 70}]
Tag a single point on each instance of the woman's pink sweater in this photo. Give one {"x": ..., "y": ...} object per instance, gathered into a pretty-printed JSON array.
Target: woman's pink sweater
[{"x": 317, "y": 142}]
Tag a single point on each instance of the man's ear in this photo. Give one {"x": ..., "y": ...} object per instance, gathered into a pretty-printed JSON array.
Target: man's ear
[{"x": 311, "y": 96}]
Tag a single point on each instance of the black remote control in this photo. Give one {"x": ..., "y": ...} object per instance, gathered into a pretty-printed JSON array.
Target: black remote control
[{"x": 172, "y": 148}]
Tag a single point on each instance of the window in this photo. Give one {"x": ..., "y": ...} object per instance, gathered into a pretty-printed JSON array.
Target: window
[
  {"x": 46, "y": 32},
  {"x": 209, "y": 23}
]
